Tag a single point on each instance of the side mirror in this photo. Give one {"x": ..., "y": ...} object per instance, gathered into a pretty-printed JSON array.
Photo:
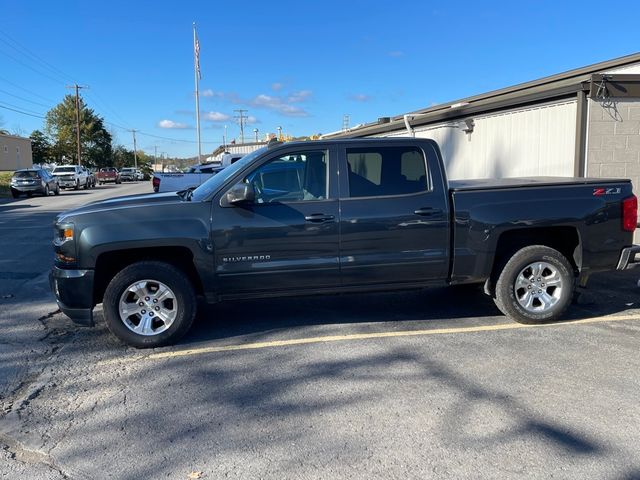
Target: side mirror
[{"x": 241, "y": 193}]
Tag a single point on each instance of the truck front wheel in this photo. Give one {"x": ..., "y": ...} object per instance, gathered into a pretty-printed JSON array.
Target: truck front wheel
[
  {"x": 149, "y": 304},
  {"x": 536, "y": 285}
]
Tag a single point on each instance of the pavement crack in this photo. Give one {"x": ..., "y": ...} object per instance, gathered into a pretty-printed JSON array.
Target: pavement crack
[{"x": 20, "y": 453}]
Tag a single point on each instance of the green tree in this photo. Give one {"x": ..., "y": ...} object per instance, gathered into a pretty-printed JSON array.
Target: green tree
[
  {"x": 60, "y": 126},
  {"x": 122, "y": 157},
  {"x": 40, "y": 147}
]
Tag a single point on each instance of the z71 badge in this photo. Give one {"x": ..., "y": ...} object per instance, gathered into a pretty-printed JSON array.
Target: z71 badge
[{"x": 606, "y": 191}]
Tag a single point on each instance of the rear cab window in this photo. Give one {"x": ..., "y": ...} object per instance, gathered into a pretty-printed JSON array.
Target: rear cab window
[{"x": 386, "y": 171}]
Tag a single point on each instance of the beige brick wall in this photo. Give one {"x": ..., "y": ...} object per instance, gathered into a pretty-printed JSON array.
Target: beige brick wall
[
  {"x": 613, "y": 146},
  {"x": 15, "y": 153}
]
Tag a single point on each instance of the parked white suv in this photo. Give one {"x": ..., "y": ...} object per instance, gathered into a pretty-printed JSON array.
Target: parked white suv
[{"x": 71, "y": 176}]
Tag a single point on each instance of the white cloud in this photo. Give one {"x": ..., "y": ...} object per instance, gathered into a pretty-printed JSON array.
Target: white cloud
[
  {"x": 396, "y": 53},
  {"x": 298, "y": 97},
  {"x": 171, "y": 124},
  {"x": 360, "y": 97},
  {"x": 216, "y": 116},
  {"x": 211, "y": 93},
  {"x": 283, "y": 105},
  {"x": 277, "y": 86}
]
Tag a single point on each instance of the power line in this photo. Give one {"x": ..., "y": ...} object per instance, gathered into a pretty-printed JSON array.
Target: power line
[
  {"x": 23, "y": 99},
  {"x": 172, "y": 139},
  {"x": 57, "y": 80},
  {"x": 26, "y": 90},
  {"x": 24, "y": 50},
  {"x": 21, "y": 112}
]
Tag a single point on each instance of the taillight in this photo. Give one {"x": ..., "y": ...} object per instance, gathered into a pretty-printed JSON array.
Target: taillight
[{"x": 630, "y": 213}]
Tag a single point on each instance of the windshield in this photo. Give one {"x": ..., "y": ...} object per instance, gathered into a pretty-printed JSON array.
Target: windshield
[
  {"x": 215, "y": 182},
  {"x": 64, "y": 170},
  {"x": 27, "y": 174}
]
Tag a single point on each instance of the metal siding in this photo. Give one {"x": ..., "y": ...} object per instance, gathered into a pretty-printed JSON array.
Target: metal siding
[{"x": 528, "y": 142}]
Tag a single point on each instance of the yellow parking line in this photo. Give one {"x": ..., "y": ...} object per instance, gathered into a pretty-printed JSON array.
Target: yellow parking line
[{"x": 374, "y": 335}]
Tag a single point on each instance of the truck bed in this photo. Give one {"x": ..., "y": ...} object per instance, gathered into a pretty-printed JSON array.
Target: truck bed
[{"x": 504, "y": 183}]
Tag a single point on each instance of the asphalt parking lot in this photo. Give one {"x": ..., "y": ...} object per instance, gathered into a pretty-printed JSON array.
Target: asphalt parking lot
[{"x": 414, "y": 385}]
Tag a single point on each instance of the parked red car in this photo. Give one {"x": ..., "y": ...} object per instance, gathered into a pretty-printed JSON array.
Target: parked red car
[{"x": 108, "y": 174}]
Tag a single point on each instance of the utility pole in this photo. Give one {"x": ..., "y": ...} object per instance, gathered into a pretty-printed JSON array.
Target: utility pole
[
  {"x": 255, "y": 131},
  {"x": 135, "y": 154},
  {"x": 241, "y": 117},
  {"x": 79, "y": 145},
  {"x": 155, "y": 155}
]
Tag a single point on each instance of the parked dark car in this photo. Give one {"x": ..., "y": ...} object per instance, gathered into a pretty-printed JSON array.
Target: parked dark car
[
  {"x": 336, "y": 217},
  {"x": 91, "y": 177},
  {"x": 30, "y": 181}
]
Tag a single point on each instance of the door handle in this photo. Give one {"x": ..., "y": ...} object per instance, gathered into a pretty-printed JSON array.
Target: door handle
[
  {"x": 428, "y": 211},
  {"x": 319, "y": 218}
]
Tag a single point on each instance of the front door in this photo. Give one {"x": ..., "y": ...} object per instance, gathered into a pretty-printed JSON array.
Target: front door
[
  {"x": 287, "y": 239},
  {"x": 394, "y": 215}
]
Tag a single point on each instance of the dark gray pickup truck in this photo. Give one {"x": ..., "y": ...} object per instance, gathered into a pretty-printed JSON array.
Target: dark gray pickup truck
[{"x": 332, "y": 217}]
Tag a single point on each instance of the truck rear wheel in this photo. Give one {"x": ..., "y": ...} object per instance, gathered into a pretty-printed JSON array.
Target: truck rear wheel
[
  {"x": 536, "y": 285},
  {"x": 149, "y": 304}
]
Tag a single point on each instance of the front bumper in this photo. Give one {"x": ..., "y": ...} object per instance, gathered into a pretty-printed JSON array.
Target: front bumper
[
  {"x": 628, "y": 258},
  {"x": 67, "y": 183},
  {"x": 74, "y": 294}
]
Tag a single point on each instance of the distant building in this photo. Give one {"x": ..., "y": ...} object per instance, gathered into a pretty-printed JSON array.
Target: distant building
[
  {"x": 243, "y": 148},
  {"x": 584, "y": 122},
  {"x": 15, "y": 153}
]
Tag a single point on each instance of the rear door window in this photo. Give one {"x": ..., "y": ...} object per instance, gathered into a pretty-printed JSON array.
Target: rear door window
[{"x": 383, "y": 171}]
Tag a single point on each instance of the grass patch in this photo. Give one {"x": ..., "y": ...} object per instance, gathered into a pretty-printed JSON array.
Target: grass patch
[{"x": 5, "y": 189}]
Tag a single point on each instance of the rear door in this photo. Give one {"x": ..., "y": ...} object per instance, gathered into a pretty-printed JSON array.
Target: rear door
[
  {"x": 287, "y": 239},
  {"x": 394, "y": 223}
]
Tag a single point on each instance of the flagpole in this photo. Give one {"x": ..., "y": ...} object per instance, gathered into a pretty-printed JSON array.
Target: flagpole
[{"x": 196, "y": 69}]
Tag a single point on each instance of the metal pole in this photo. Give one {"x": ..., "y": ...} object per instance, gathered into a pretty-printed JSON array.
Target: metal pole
[
  {"x": 135, "y": 153},
  {"x": 77, "y": 88},
  {"x": 78, "y": 124},
  {"x": 196, "y": 67}
]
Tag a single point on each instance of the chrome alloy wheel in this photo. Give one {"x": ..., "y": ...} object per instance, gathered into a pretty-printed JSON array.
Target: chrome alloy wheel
[
  {"x": 538, "y": 287},
  {"x": 148, "y": 307}
]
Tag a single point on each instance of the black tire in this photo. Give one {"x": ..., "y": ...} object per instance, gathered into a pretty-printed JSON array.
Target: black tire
[
  {"x": 173, "y": 278},
  {"x": 77, "y": 187},
  {"x": 506, "y": 296},
  {"x": 86, "y": 185},
  {"x": 15, "y": 193},
  {"x": 57, "y": 190},
  {"x": 46, "y": 191}
]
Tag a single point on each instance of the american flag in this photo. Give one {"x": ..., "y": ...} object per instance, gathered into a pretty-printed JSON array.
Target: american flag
[{"x": 196, "y": 48}]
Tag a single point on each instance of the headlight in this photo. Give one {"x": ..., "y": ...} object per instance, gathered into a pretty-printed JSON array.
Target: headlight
[{"x": 64, "y": 245}]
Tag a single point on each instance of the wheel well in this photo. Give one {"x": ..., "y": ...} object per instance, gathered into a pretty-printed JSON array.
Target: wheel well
[
  {"x": 564, "y": 239},
  {"x": 109, "y": 264}
]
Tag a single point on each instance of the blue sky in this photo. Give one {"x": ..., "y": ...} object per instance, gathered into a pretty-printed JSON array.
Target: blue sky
[{"x": 300, "y": 65}]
